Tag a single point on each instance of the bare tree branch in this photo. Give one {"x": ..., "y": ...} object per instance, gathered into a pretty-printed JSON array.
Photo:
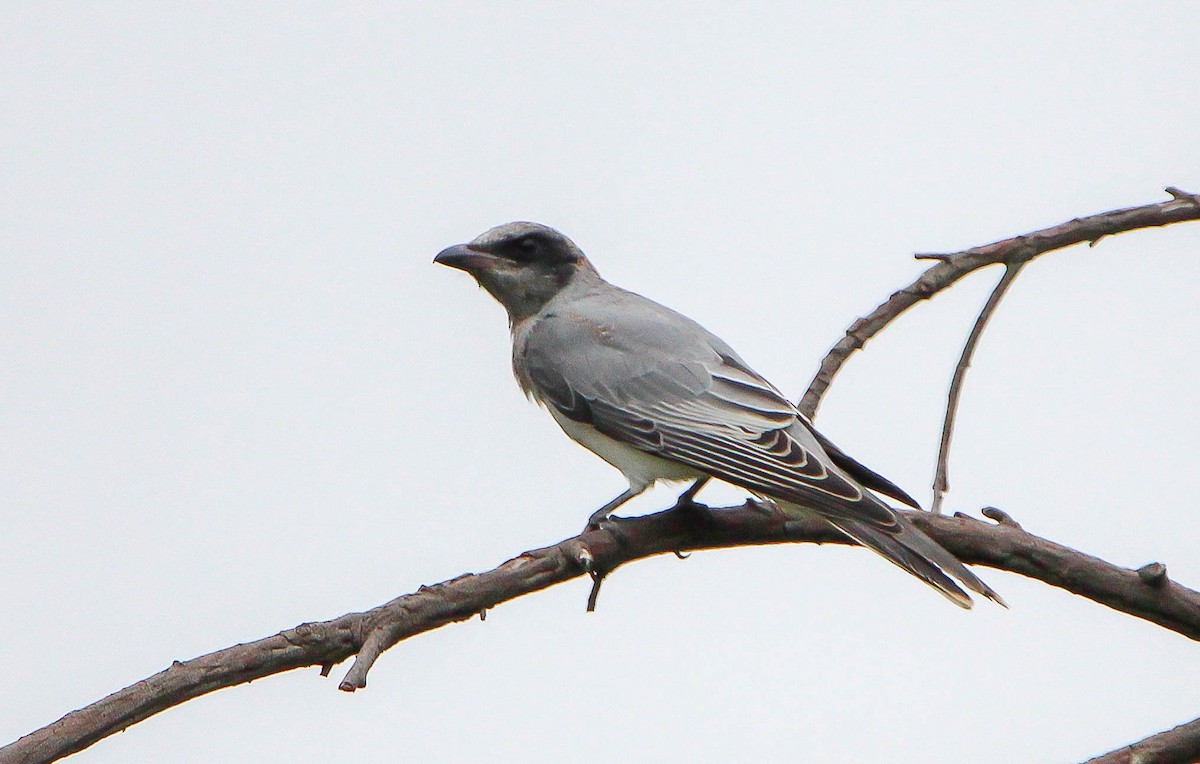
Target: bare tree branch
[
  {"x": 1005, "y": 546},
  {"x": 941, "y": 478},
  {"x": 1145, "y": 593},
  {"x": 952, "y": 267},
  {"x": 1180, "y": 745}
]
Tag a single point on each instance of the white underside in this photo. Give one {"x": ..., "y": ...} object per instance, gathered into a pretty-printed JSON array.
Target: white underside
[{"x": 639, "y": 468}]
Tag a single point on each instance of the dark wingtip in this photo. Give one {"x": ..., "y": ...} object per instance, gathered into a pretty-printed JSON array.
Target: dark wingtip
[
  {"x": 994, "y": 597},
  {"x": 863, "y": 474}
]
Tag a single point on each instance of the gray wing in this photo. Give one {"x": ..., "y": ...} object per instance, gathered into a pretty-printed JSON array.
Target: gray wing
[{"x": 654, "y": 379}]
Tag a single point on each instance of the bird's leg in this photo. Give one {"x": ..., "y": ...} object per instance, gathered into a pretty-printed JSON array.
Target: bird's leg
[
  {"x": 600, "y": 515},
  {"x": 686, "y": 500},
  {"x": 765, "y": 504},
  {"x": 689, "y": 511}
]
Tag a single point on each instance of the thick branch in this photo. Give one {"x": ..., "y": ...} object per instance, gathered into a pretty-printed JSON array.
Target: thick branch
[
  {"x": 1180, "y": 745},
  {"x": 1146, "y": 593},
  {"x": 1005, "y": 546},
  {"x": 952, "y": 267}
]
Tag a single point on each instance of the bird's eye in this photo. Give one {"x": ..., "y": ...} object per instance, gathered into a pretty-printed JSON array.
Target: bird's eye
[{"x": 527, "y": 246}]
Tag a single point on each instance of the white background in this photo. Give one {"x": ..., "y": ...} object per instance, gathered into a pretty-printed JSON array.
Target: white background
[{"x": 235, "y": 394}]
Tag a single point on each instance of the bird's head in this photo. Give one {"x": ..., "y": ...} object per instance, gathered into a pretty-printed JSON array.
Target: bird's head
[{"x": 523, "y": 265}]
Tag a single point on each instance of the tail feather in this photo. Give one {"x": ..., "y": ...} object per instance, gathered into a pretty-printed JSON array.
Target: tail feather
[{"x": 908, "y": 547}]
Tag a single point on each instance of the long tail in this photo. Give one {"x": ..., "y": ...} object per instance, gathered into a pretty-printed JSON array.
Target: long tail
[{"x": 906, "y": 546}]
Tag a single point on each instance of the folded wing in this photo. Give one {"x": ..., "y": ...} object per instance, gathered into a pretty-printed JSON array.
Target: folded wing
[{"x": 681, "y": 393}]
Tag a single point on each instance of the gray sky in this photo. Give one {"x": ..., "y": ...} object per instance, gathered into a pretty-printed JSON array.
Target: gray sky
[{"x": 236, "y": 395}]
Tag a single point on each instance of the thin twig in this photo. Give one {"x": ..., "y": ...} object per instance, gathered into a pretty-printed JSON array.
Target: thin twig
[
  {"x": 594, "y": 594},
  {"x": 941, "y": 478},
  {"x": 368, "y": 635},
  {"x": 952, "y": 267}
]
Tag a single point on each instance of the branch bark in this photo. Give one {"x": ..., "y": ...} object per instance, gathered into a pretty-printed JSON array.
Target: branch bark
[
  {"x": 1004, "y": 545},
  {"x": 952, "y": 267},
  {"x": 1145, "y": 593},
  {"x": 1180, "y": 745}
]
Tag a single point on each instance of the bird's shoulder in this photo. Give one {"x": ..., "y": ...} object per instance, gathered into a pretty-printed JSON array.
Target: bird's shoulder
[
  {"x": 610, "y": 321},
  {"x": 615, "y": 346}
]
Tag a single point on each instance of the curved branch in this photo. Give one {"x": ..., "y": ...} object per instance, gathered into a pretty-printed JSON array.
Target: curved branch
[
  {"x": 1146, "y": 593},
  {"x": 941, "y": 477},
  {"x": 952, "y": 267},
  {"x": 1149, "y": 595},
  {"x": 1180, "y": 745}
]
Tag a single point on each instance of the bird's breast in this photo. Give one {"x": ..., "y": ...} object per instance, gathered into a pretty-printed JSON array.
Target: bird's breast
[{"x": 639, "y": 467}]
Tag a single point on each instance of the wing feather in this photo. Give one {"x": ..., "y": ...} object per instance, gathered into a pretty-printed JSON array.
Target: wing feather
[
  {"x": 719, "y": 419},
  {"x": 655, "y": 380}
]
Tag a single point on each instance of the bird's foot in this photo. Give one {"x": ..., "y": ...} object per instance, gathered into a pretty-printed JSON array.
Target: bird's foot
[
  {"x": 691, "y": 514},
  {"x": 611, "y": 524},
  {"x": 686, "y": 503},
  {"x": 597, "y": 520},
  {"x": 765, "y": 505}
]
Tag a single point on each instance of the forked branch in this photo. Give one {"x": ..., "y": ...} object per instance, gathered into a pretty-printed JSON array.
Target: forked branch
[
  {"x": 1145, "y": 593},
  {"x": 950, "y": 268},
  {"x": 941, "y": 478},
  {"x": 1005, "y": 546}
]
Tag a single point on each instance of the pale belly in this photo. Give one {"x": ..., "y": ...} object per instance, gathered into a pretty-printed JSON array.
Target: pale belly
[{"x": 640, "y": 468}]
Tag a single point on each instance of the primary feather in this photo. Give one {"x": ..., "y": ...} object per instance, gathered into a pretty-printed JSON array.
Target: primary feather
[
  {"x": 653, "y": 379},
  {"x": 661, "y": 398}
]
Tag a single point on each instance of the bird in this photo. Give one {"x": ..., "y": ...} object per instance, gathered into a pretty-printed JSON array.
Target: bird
[{"x": 659, "y": 397}]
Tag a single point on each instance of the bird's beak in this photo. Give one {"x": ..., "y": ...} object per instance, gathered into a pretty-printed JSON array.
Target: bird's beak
[{"x": 463, "y": 257}]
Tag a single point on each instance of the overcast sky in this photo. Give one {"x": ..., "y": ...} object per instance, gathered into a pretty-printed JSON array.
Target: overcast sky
[{"x": 236, "y": 395}]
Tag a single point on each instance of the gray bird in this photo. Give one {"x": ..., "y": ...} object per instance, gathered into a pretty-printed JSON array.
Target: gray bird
[{"x": 659, "y": 397}]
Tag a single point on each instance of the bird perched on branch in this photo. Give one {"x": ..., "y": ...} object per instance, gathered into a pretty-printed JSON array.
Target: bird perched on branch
[{"x": 659, "y": 397}]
